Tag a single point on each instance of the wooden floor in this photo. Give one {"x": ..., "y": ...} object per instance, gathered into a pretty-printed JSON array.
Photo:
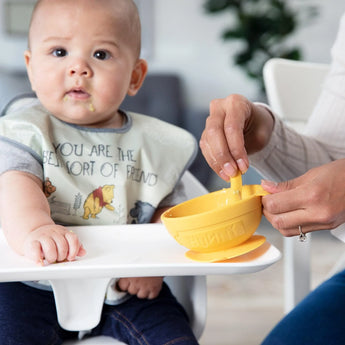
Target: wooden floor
[{"x": 243, "y": 308}]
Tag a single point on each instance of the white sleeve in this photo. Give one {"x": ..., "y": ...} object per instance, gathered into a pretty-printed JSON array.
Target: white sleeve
[
  {"x": 290, "y": 154},
  {"x": 327, "y": 122}
]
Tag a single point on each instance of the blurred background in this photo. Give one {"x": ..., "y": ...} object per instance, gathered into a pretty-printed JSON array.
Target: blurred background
[{"x": 199, "y": 50}]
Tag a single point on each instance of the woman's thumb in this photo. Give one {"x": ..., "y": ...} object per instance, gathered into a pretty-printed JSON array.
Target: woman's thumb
[{"x": 276, "y": 187}]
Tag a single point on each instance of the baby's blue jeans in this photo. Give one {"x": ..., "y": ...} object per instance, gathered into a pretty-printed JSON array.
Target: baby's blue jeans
[
  {"x": 28, "y": 317},
  {"x": 319, "y": 319}
]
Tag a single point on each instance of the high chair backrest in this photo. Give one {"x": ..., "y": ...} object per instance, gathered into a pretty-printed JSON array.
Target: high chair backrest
[{"x": 293, "y": 87}]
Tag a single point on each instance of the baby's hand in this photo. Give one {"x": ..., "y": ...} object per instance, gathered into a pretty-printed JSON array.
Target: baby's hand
[
  {"x": 142, "y": 287},
  {"x": 52, "y": 243}
]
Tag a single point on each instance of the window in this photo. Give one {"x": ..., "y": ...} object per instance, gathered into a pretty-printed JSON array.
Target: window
[{"x": 17, "y": 16}]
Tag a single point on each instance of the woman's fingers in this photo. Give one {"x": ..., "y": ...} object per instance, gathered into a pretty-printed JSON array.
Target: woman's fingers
[
  {"x": 222, "y": 142},
  {"x": 314, "y": 201}
]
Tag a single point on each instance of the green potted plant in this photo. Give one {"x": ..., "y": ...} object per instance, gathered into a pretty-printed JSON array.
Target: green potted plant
[{"x": 263, "y": 26}]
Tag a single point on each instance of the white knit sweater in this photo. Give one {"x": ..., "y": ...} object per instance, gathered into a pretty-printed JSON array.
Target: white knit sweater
[{"x": 289, "y": 154}]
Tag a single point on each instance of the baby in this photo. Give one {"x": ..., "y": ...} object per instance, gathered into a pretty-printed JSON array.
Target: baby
[{"x": 75, "y": 158}]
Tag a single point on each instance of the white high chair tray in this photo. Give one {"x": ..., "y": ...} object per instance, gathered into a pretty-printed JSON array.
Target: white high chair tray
[
  {"x": 117, "y": 251},
  {"x": 126, "y": 251}
]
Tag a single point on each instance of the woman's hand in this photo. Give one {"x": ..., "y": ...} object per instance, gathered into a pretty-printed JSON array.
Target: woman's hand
[
  {"x": 314, "y": 201},
  {"x": 235, "y": 128}
]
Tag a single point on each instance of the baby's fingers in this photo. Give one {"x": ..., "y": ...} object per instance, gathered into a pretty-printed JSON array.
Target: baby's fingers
[
  {"x": 74, "y": 245},
  {"x": 82, "y": 251},
  {"x": 43, "y": 249},
  {"x": 33, "y": 251}
]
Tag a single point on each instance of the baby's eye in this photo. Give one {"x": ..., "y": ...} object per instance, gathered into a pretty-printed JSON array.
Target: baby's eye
[
  {"x": 101, "y": 55},
  {"x": 60, "y": 52}
]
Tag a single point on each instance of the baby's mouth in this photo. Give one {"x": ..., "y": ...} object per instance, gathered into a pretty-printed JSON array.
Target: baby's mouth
[{"x": 78, "y": 94}]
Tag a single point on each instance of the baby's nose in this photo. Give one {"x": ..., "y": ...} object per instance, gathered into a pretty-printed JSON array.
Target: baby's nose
[{"x": 80, "y": 69}]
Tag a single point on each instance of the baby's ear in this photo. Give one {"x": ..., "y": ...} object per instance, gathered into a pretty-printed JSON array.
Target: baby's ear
[
  {"x": 138, "y": 76},
  {"x": 27, "y": 57}
]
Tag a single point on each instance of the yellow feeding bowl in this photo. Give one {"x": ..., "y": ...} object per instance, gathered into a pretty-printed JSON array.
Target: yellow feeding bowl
[{"x": 214, "y": 226}]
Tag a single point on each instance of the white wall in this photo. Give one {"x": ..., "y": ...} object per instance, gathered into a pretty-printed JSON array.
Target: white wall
[{"x": 187, "y": 41}]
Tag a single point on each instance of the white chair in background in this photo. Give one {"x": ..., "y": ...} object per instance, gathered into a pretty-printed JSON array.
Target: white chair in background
[{"x": 293, "y": 88}]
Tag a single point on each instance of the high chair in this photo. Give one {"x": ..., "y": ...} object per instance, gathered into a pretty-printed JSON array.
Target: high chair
[
  {"x": 189, "y": 290},
  {"x": 126, "y": 251},
  {"x": 293, "y": 88}
]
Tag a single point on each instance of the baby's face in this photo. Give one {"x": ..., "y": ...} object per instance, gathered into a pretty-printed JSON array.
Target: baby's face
[{"x": 82, "y": 61}]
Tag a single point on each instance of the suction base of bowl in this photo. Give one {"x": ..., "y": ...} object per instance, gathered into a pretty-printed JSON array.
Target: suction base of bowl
[{"x": 252, "y": 243}]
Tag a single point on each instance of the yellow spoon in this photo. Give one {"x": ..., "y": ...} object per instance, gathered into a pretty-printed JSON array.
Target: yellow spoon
[{"x": 236, "y": 187}]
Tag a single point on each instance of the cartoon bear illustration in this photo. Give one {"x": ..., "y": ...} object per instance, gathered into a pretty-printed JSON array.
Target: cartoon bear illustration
[
  {"x": 48, "y": 188},
  {"x": 97, "y": 199},
  {"x": 142, "y": 212}
]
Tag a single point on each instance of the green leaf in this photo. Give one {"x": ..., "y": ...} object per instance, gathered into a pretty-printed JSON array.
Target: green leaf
[
  {"x": 293, "y": 54},
  {"x": 243, "y": 57},
  {"x": 214, "y": 6},
  {"x": 262, "y": 26},
  {"x": 233, "y": 34}
]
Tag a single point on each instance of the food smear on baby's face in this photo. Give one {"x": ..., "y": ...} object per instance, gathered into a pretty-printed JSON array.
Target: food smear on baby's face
[{"x": 91, "y": 107}]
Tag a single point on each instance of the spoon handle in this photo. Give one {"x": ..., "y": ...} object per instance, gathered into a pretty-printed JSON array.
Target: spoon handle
[{"x": 236, "y": 186}]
